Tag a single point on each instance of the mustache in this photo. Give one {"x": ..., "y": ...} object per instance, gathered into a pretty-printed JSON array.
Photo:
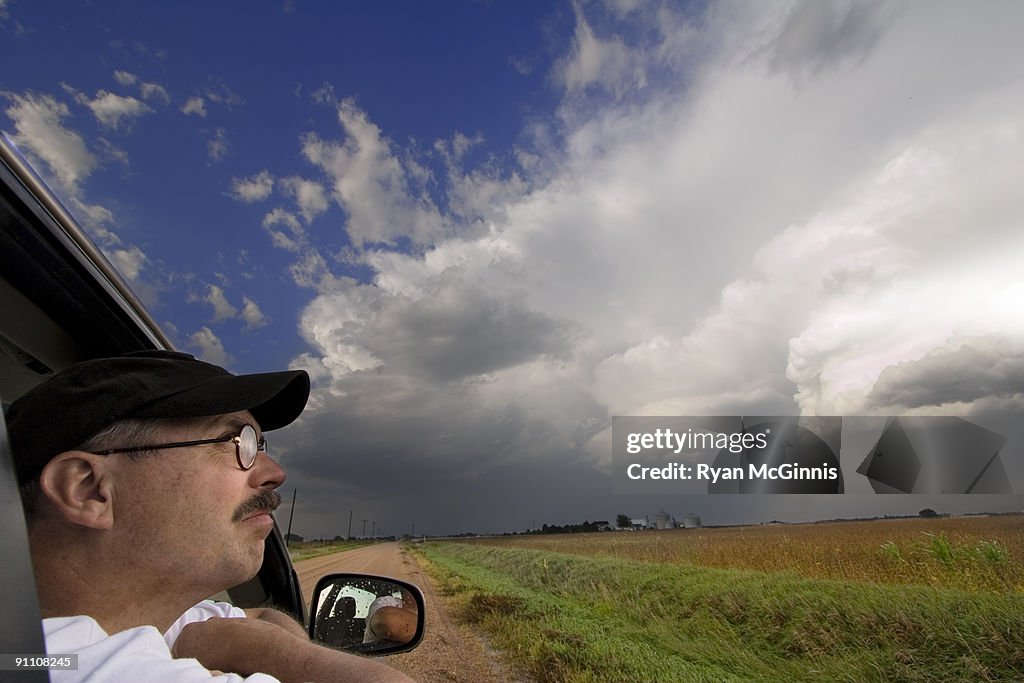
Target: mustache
[{"x": 264, "y": 501}]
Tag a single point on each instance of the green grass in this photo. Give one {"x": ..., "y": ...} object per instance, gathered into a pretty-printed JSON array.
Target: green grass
[{"x": 566, "y": 618}]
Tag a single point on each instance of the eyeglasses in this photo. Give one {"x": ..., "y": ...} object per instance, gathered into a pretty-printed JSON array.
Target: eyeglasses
[{"x": 247, "y": 446}]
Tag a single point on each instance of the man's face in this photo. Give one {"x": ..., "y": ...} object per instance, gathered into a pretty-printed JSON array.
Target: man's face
[{"x": 191, "y": 515}]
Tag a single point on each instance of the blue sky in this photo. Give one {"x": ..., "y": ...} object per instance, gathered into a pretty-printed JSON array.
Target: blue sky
[
  {"x": 487, "y": 227},
  {"x": 175, "y": 112}
]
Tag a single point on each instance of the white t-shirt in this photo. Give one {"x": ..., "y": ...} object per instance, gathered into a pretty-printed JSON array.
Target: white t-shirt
[{"x": 137, "y": 654}]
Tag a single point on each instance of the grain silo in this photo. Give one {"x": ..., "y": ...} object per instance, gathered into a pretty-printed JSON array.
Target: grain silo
[{"x": 663, "y": 520}]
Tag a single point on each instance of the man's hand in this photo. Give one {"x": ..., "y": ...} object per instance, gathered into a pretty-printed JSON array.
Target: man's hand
[{"x": 248, "y": 646}]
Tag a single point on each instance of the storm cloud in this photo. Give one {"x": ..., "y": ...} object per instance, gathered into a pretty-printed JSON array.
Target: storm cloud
[{"x": 754, "y": 209}]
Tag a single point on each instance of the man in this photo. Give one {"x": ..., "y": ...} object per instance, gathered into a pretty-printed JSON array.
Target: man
[
  {"x": 391, "y": 619},
  {"x": 148, "y": 488}
]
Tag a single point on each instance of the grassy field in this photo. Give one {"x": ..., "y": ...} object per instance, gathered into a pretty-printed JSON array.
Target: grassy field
[
  {"x": 662, "y": 606},
  {"x": 978, "y": 553}
]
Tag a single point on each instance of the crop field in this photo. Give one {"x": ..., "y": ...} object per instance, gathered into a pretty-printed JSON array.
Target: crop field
[
  {"x": 970, "y": 553},
  {"x": 890, "y": 600}
]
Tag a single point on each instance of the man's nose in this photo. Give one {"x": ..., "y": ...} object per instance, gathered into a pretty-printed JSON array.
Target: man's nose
[{"x": 268, "y": 474}]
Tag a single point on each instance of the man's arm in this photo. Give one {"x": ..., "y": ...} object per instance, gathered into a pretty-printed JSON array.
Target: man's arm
[
  {"x": 247, "y": 646},
  {"x": 279, "y": 618}
]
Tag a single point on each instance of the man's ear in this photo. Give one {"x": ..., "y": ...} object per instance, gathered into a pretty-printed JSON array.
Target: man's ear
[{"x": 79, "y": 486}]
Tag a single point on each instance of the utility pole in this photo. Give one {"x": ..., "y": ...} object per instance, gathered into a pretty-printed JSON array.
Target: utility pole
[
  {"x": 291, "y": 515},
  {"x": 364, "y": 528},
  {"x": 414, "y": 529},
  {"x": 373, "y": 531},
  {"x": 349, "y": 536}
]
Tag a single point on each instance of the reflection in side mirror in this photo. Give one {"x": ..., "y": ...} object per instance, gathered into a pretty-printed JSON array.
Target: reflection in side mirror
[{"x": 366, "y": 614}]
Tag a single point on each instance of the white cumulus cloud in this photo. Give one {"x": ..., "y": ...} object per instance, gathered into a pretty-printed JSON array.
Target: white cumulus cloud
[
  {"x": 129, "y": 262},
  {"x": 154, "y": 91},
  {"x": 218, "y": 146},
  {"x": 285, "y": 230},
  {"x": 594, "y": 61},
  {"x": 39, "y": 132},
  {"x": 125, "y": 78},
  {"x": 253, "y": 189},
  {"x": 252, "y": 315},
  {"x": 209, "y": 347},
  {"x": 113, "y": 110},
  {"x": 309, "y": 195},
  {"x": 222, "y": 308},
  {"x": 370, "y": 183},
  {"x": 195, "y": 106}
]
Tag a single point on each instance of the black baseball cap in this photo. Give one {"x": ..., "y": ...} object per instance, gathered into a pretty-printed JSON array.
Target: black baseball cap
[{"x": 83, "y": 399}]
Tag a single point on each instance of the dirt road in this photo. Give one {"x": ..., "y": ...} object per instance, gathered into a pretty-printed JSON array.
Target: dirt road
[
  {"x": 386, "y": 559},
  {"x": 449, "y": 652}
]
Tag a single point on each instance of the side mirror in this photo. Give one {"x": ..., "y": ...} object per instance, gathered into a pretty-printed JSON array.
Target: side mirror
[{"x": 366, "y": 614}]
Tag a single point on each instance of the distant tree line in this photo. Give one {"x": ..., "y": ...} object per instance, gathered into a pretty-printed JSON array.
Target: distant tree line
[{"x": 585, "y": 527}]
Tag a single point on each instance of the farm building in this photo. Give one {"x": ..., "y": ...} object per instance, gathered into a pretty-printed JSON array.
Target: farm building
[
  {"x": 663, "y": 520},
  {"x": 691, "y": 521},
  {"x": 640, "y": 523}
]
